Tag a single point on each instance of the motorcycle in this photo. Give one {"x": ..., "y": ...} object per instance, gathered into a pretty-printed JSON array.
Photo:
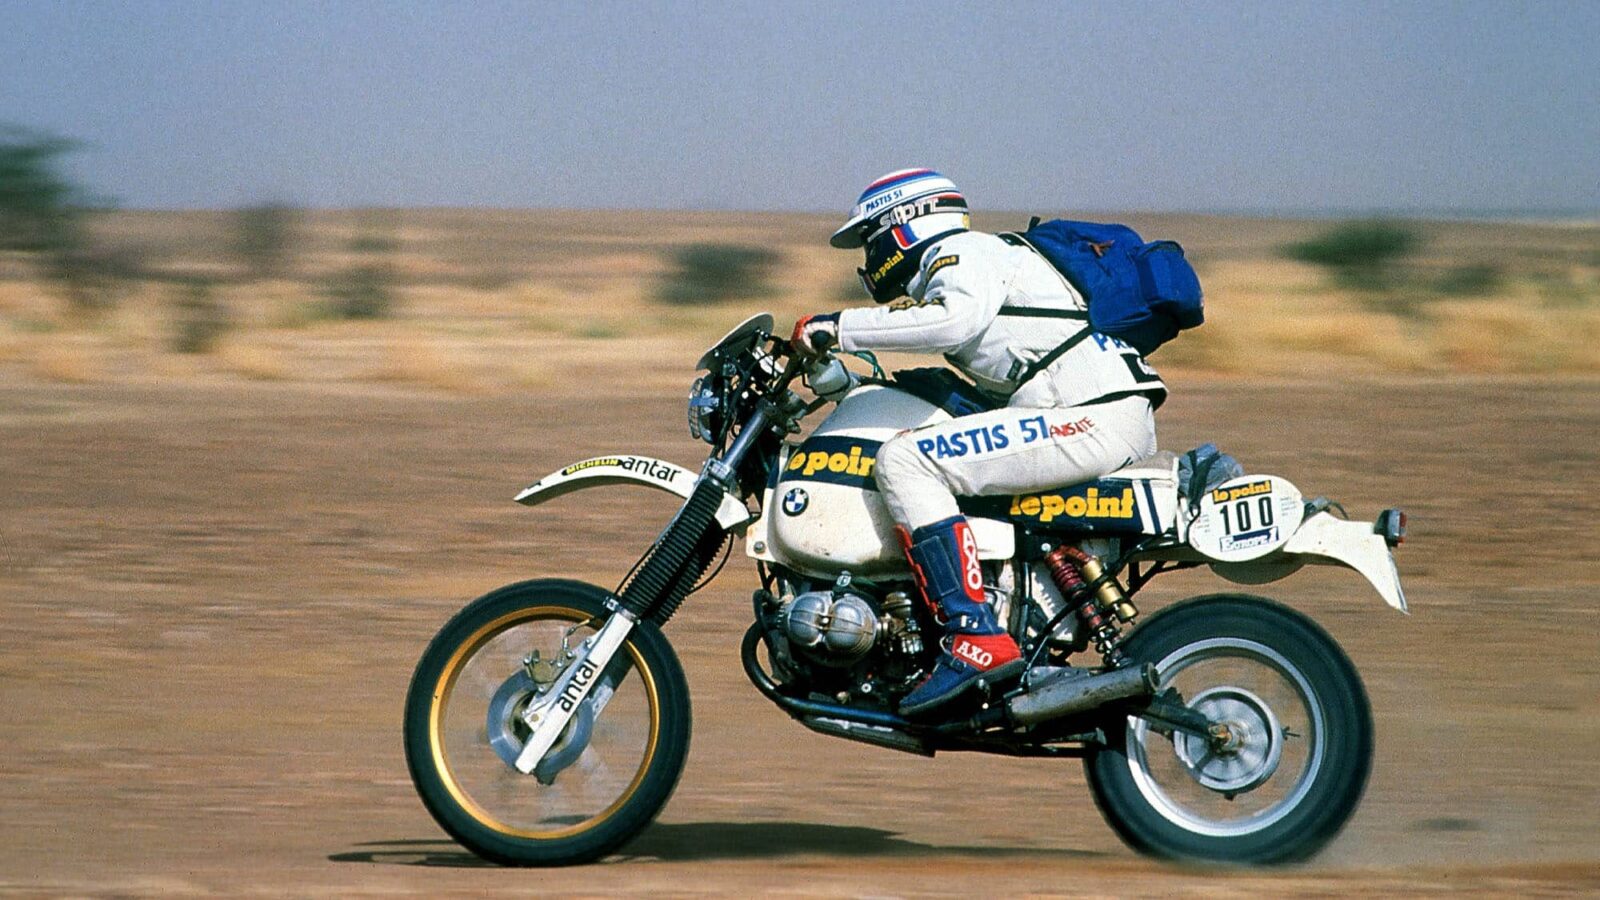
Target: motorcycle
[{"x": 547, "y": 723}]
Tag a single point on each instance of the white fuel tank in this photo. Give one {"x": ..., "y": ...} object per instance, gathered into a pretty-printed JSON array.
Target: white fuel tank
[{"x": 825, "y": 513}]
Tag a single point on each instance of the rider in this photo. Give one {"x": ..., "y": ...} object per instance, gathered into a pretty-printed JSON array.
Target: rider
[{"x": 1077, "y": 404}]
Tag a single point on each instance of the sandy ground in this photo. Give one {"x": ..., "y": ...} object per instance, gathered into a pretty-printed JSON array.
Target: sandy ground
[{"x": 212, "y": 595}]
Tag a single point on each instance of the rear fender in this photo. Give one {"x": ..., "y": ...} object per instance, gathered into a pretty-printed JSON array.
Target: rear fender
[
  {"x": 604, "y": 471},
  {"x": 1321, "y": 539},
  {"x": 1326, "y": 540}
]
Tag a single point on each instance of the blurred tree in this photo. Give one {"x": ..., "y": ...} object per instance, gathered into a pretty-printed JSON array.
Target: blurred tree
[
  {"x": 44, "y": 213},
  {"x": 365, "y": 290},
  {"x": 38, "y": 206},
  {"x": 199, "y": 319},
  {"x": 715, "y": 273},
  {"x": 264, "y": 237},
  {"x": 1359, "y": 254}
]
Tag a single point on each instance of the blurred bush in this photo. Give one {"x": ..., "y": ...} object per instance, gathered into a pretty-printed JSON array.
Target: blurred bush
[
  {"x": 364, "y": 290},
  {"x": 1474, "y": 280},
  {"x": 91, "y": 279},
  {"x": 1359, "y": 254},
  {"x": 716, "y": 273},
  {"x": 264, "y": 239},
  {"x": 199, "y": 319}
]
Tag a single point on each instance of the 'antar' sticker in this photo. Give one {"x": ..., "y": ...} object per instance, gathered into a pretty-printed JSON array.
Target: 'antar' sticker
[{"x": 650, "y": 468}]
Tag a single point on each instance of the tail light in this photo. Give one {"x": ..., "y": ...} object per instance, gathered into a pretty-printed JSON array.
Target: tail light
[{"x": 1392, "y": 525}]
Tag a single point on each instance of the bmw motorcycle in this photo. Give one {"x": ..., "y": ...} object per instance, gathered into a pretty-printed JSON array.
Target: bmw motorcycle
[{"x": 548, "y": 721}]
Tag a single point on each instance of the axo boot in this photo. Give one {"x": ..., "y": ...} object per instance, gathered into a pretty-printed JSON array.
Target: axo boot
[{"x": 944, "y": 561}]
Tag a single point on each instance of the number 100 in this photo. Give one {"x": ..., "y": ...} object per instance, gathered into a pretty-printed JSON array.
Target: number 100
[{"x": 1241, "y": 515}]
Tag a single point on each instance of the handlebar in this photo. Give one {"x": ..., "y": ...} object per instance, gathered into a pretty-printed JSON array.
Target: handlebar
[
  {"x": 799, "y": 358},
  {"x": 825, "y": 342}
]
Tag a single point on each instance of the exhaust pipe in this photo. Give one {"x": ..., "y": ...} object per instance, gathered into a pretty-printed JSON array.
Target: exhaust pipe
[
  {"x": 876, "y": 735},
  {"x": 1067, "y": 691}
]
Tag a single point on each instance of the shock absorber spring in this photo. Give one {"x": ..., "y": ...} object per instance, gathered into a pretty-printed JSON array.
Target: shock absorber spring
[{"x": 1101, "y": 603}]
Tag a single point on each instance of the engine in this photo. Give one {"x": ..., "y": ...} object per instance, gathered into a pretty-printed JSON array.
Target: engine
[
  {"x": 831, "y": 628},
  {"x": 840, "y": 627}
]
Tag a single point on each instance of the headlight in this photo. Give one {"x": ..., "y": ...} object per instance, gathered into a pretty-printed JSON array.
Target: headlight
[{"x": 703, "y": 403}]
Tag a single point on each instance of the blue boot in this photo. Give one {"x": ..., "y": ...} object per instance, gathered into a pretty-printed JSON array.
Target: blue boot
[{"x": 944, "y": 562}]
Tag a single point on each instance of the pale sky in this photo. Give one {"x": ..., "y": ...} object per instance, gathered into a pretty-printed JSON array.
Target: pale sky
[{"x": 1332, "y": 107}]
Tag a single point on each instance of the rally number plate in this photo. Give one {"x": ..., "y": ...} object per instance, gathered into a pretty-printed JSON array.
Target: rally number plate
[{"x": 1246, "y": 518}]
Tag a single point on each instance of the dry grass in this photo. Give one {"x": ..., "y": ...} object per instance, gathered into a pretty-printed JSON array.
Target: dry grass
[
  {"x": 255, "y": 358},
  {"x": 506, "y": 300},
  {"x": 13, "y": 344},
  {"x": 67, "y": 360},
  {"x": 1496, "y": 337},
  {"x": 427, "y": 363}
]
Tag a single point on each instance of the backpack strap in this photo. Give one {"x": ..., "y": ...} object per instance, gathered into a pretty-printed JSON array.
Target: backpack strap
[
  {"x": 1021, "y": 312},
  {"x": 1080, "y": 315},
  {"x": 1020, "y": 240},
  {"x": 1035, "y": 312},
  {"x": 1045, "y": 360}
]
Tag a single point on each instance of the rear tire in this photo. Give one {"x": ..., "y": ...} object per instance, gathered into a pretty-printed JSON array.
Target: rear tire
[
  {"x": 626, "y": 772},
  {"x": 1305, "y": 749}
]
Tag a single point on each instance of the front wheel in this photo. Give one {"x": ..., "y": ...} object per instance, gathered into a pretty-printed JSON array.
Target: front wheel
[
  {"x": 1298, "y": 744},
  {"x": 608, "y": 774}
]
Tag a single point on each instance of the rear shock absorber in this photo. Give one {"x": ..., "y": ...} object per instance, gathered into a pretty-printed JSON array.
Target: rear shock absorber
[{"x": 1102, "y": 605}]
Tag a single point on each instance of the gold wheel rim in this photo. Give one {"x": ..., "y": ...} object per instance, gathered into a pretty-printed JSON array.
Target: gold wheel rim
[{"x": 446, "y": 683}]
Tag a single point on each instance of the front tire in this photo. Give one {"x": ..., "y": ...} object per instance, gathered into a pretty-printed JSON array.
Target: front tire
[
  {"x": 1302, "y": 746},
  {"x": 630, "y": 759}
]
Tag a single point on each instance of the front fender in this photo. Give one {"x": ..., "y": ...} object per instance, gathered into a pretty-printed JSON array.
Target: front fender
[{"x": 602, "y": 471}]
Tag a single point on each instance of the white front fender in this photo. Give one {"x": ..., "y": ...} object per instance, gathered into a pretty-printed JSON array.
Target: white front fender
[{"x": 601, "y": 471}]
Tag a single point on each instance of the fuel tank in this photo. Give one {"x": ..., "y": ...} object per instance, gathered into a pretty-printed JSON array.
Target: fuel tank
[{"x": 825, "y": 514}]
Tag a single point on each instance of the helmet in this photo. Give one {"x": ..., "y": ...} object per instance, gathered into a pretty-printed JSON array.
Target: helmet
[{"x": 895, "y": 219}]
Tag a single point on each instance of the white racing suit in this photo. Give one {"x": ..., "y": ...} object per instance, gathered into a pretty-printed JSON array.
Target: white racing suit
[{"x": 1001, "y": 314}]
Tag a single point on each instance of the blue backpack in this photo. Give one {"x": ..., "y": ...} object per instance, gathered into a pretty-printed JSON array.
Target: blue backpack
[{"x": 1141, "y": 293}]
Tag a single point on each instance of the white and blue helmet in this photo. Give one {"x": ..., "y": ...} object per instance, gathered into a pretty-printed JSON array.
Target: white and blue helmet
[{"x": 895, "y": 219}]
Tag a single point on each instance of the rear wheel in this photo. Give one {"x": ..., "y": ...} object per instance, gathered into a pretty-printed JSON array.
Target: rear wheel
[
  {"x": 606, "y": 777},
  {"x": 1291, "y": 767}
]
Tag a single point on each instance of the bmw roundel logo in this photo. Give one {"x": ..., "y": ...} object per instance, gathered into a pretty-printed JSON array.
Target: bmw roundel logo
[{"x": 795, "y": 502}]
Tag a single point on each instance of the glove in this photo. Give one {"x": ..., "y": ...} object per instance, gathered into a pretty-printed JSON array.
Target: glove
[{"x": 816, "y": 333}]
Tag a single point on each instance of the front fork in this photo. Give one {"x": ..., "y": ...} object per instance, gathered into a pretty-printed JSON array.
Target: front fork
[{"x": 547, "y": 716}]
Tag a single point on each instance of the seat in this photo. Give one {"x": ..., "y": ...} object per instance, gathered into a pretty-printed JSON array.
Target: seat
[{"x": 1139, "y": 498}]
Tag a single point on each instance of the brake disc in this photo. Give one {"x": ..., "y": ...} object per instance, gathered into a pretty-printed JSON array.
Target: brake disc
[
  {"x": 508, "y": 732},
  {"x": 1250, "y": 754}
]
